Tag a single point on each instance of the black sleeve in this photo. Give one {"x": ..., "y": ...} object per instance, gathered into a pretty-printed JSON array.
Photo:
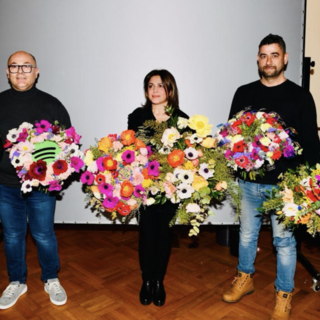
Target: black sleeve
[
  {"x": 132, "y": 122},
  {"x": 309, "y": 134},
  {"x": 64, "y": 117}
]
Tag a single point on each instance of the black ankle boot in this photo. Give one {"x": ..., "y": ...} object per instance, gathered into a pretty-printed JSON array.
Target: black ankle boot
[
  {"x": 159, "y": 295},
  {"x": 146, "y": 292}
]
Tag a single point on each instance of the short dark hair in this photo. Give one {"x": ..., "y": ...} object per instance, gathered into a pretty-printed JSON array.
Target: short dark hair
[
  {"x": 273, "y": 38},
  {"x": 169, "y": 84}
]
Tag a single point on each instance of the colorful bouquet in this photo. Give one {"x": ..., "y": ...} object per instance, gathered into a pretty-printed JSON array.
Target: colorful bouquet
[
  {"x": 193, "y": 173},
  {"x": 120, "y": 172},
  {"x": 44, "y": 155},
  {"x": 252, "y": 141},
  {"x": 297, "y": 198}
]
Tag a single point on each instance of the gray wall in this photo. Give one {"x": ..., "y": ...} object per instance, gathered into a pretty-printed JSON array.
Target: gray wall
[{"x": 93, "y": 56}]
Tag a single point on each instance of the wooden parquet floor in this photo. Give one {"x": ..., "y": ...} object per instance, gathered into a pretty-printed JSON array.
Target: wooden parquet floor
[{"x": 100, "y": 272}]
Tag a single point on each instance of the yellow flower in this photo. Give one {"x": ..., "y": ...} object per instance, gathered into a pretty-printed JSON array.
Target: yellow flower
[
  {"x": 88, "y": 158},
  {"x": 265, "y": 141},
  {"x": 265, "y": 127},
  {"x": 104, "y": 144},
  {"x": 200, "y": 124},
  {"x": 199, "y": 182},
  {"x": 209, "y": 143},
  {"x": 188, "y": 165},
  {"x": 237, "y": 138},
  {"x": 147, "y": 183}
]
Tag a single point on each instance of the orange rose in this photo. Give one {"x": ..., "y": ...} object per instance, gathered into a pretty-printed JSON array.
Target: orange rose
[
  {"x": 304, "y": 219},
  {"x": 127, "y": 137},
  {"x": 176, "y": 158},
  {"x": 126, "y": 189},
  {"x": 104, "y": 144},
  {"x": 139, "y": 144}
]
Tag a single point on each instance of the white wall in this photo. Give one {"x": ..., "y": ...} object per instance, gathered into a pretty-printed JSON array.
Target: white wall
[{"x": 93, "y": 56}]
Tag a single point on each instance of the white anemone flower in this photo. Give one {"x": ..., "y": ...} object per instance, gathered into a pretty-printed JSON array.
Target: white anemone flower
[
  {"x": 165, "y": 150},
  {"x": 17, "y": 161},
  {"x": 186, "y": 176},
  {"x": 27, "y": 186},
  {"x": 154, "y": 190},
  {"x": 150, "y": 201},
  {"x": 184, "y": 191},
  {"x": 13, "y": 135},
  {"x": 176, "y": 173},
  {"x": 191, "y": 153},
  {"x": 205, "y": 172},
  {"x": 195, "y": 139},
  {"x": 74, "y": 150},
  {"x": 170, "y": 136}
]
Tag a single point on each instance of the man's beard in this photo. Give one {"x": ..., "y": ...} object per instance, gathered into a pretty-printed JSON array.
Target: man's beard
[{"x": 273, "y": 74}]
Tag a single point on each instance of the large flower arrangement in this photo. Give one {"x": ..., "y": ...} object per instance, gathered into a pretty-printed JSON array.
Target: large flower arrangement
[
  {"x": 119, "y": 174},
  {"x": 193, "y": 173},
  {"x": 252, "y": 141},
  {"x": 44, "y": 154},
  {"x": 297, "y": 198}
]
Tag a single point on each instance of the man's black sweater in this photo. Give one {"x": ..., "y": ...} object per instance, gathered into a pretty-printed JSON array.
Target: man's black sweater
[
  {"x": 296, "y": 107},
  {"x": 26, "y": 106}
]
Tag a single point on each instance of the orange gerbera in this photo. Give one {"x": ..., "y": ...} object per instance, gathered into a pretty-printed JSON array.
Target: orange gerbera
[
  {"x": 139, "y": 144},
  {"x": 145, "y": 173},
  {"x": 126, "y": 189},
  {"x": 109, "y": 163},
  {"x": 127, "y": 137},
  {"x": 104, "y": 144},
  {"x": 176, "y": 158}
]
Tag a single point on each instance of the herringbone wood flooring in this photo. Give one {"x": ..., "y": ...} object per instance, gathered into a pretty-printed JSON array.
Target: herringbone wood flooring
[{"x": 100, "y": 272}]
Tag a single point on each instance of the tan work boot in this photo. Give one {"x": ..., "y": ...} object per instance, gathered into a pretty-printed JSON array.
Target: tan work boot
[
  {"x": 282, "y": 308},
  {"x": 241, "y": 285}
]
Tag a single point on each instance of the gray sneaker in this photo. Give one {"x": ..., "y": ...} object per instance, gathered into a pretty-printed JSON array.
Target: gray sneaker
[
  {"x": 12, "y": 293},
  {"x": 56, "y": 292}
]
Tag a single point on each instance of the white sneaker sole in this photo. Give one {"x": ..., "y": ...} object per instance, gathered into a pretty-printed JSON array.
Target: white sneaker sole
[{"x": 14, "y": 302}]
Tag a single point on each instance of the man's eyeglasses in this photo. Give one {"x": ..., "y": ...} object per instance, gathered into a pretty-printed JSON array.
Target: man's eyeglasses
[{"x": 25, "y": 68}]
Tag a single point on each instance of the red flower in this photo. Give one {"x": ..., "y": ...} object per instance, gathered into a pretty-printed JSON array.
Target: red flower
[
  {"x": 248, "y": 118},
  {"x": 276, "y": 154},
  {"x": 114, "y": 174},
  {"x": 113, "y": 137},
  {"x": 7, "y": 144},
  {"x": 242, "y": 161},
  {"x": 123, "y": 209},
  {"x": 239, "y": 146},
  {"x": 60, "y": 166},
  {"x": 264, "y": 148},
  {"x": 109, "y": 163},
  {"x": 38, "y": 170},
  {"x": 100, "y": 178}
]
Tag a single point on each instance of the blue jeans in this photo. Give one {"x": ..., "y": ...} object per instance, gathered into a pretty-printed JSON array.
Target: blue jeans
[
  {"x": 253, "y": 194},
  {"x": 38, "y": 208}
]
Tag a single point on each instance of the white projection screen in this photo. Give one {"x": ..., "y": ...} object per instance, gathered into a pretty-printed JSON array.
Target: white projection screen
[{"x": 93, "y": 56}]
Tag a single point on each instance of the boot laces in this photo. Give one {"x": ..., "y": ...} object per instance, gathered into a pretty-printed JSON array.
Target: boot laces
[{"x": 282, "y": 304}]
